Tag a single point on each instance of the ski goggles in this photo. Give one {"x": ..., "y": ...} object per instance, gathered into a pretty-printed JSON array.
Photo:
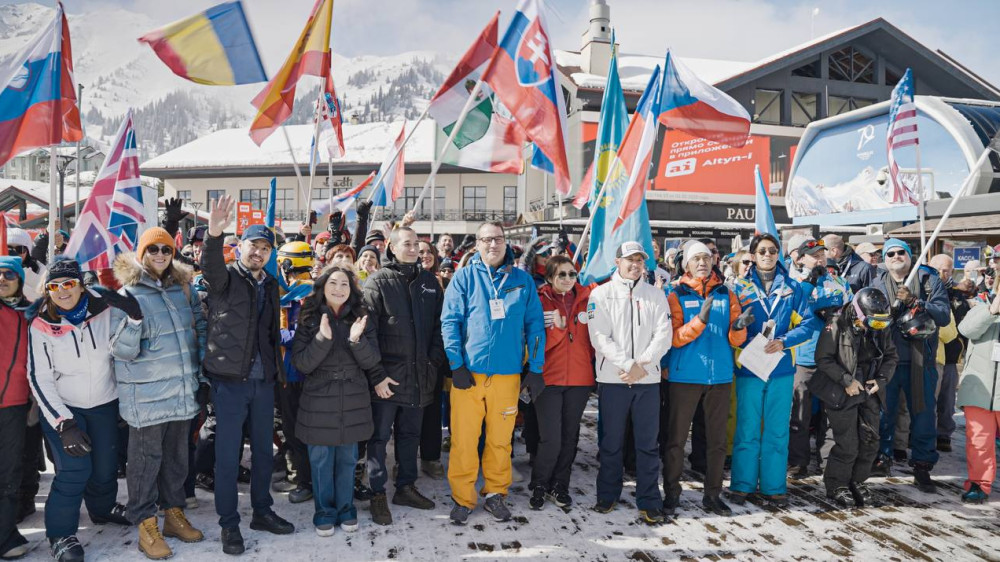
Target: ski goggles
[
  {"x": 64, "y": 286},
  {"x": 874, "y": 321}
]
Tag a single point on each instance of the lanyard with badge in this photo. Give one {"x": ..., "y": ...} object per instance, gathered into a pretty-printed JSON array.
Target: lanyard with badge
[
  {"x": 497, "y": 311},
  {"x": 768, "y": 329}
]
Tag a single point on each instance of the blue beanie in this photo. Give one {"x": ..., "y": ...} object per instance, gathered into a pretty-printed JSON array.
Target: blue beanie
[
  {"x": 896, "y": 243},
  {"x": 12, "y": 263}
]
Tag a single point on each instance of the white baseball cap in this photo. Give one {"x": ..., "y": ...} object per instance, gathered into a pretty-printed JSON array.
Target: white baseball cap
[{"x": 631, "y": 248}]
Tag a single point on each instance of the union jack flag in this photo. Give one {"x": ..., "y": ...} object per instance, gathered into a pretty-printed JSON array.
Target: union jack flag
[
  {"x": 902, "y": 131},
  {"x": 117, "y": 211}
]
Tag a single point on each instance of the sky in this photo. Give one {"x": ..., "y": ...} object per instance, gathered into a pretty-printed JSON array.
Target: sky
[{"x": 742, "y": 30}]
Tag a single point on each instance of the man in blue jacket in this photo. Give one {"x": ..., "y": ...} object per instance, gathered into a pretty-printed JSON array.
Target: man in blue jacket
[
  {"x": 916, "y": 373},
  {"x": 493, "y": 331}
]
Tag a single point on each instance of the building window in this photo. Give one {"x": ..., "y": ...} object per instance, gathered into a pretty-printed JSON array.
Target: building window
[
  {"x": 808, "y": 70},
  {"x": 283, "y": 200},
  {"x": 256, "y": 197},
  {"x": 215, "y": 194},
  {"x": 510, "y": 200},
  {"x": 184, "y": 195},
  {"x": 851, "y": 65},
  {"x": 767, "y": 107},
  {"x": 407, "y": 201},
  {"x": 321, "y": 193},
  {"x": 473, "y": 198},
  {"x": 803, "y": 108},
  {"x": 841, "y": 104}
]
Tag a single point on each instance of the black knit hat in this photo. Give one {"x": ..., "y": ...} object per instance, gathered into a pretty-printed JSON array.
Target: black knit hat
[{"x": 63, "y": 267}]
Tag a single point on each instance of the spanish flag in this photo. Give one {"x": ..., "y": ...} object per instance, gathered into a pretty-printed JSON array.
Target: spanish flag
[
  {"x": 214, "y": 47},
  {"x": 311, "y": 55}
]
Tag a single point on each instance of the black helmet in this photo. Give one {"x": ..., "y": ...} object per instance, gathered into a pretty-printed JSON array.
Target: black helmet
[
  {"x": 916, "y": 323},
  {"x": 871, "y": 308}
]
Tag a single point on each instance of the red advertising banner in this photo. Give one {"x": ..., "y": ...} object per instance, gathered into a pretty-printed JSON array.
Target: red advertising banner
[{"x": 695, "y": 165}]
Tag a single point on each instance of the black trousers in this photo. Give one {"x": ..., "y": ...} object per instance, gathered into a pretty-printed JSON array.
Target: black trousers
[
  {"x": 13, "y": 421},
  {"x": 684, "y": 400},
  {"x": 430, "y": 431},
  {"x": 855, "y": 444},
  {"x": 559, "y": 410},
  {"x": 798, "y": 433},
  {"x": 296, "y": 455},
  {"x": 697, "y": 456},
  {"x": 32, "y": 462}
]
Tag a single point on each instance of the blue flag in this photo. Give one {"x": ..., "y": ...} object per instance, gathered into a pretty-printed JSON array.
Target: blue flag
[
  {"x": 763, "y": 218},
  {"x": 604, "y": 238},
  {"x": 272, "y": 195}
]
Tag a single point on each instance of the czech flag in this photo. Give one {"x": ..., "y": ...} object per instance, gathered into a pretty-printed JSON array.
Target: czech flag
[
  {"x": 700, "y": 109},
  {"x": 38, "y": 98},
  {"x": 523, "y": 76},
  {"x": 214, "y": 47},
  {"x": 311, "y": 55},
  {"x": 635, "y": 157},
  {"x": 763, "y": 217},
  {"x": 390, "y": 180}
]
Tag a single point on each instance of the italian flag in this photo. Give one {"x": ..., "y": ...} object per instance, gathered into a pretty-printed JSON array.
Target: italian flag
[{"x": 488, "y": 139}]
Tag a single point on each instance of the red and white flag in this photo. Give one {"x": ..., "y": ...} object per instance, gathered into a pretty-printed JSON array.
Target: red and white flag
[{"x": 902, "y": 132}]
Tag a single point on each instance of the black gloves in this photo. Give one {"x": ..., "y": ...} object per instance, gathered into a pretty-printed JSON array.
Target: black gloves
[
  {"x": 533, "y": 382},
  {"x": 75, "y": 441},
  {"x": 336, "y": 222},
  {"x": 706, "y": 309},
  {"x": 814, "y": 274},
  {"x": 125, "y": 303},
  {"x": 174, "y": 211},
  {"x": 204, "y": 394},
  {"x": 744, "y": 319},
  {"x": 462, "y": 379},
  {"x": 364, "y": 209}
]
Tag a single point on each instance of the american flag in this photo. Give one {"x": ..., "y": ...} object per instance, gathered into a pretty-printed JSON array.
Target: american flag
[
  {"x": 902, "y": 132},
  {"x": 117, "y": 211}
]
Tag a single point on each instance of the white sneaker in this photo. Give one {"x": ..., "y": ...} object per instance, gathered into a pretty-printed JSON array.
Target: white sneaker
[
  {"x": 325, "y": 530},
  {"x": 349, "y": 526}
]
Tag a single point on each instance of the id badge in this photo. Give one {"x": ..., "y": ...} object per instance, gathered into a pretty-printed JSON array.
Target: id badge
[
  {"x": 996, "y": 352},
  {"x": 497, "y": 311}
]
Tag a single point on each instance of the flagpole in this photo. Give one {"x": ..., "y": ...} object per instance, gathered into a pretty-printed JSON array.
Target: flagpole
[
  {"x": 545, "y": 193},
  {"x": 451, "y": 139},
  {"x": 295, "y": 164},
  {"x": 52, "y": 203},
  {"x": 76, "y": 206},
  {"x": 922, "y": 204},
  {"x": 405, "y": 140},
  {"x": 974, "y": 171},
  {"x": 313, "y": 154},
  {"x": 590, "y": 220},
  {"x": 433, "y": 192}
]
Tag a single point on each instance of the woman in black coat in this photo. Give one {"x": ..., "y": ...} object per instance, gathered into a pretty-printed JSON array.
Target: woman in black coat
[{"x": 336, "y": 350}]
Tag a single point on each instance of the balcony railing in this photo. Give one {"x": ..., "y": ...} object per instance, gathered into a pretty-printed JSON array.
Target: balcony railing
[{"x": 505, "y": 217}]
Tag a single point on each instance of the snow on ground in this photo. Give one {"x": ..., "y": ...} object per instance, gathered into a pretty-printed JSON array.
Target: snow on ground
[{"x": 912, "y": 526}]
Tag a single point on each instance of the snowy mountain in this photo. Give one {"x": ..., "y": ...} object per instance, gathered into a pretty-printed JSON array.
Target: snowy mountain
[{"x": 117, "y": 72}]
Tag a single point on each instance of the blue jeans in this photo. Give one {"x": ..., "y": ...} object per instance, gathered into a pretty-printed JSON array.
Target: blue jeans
[
  {"x": 923, "y": 426},
  {"x": 236, "y": 402},
  {"x": 760, "y": 443},
  {"x": 92, "y": 478},
  {"x": 333, "y": 483},
  {"x": 616, "y": 402},
  {"x": 405, "y": 422}
]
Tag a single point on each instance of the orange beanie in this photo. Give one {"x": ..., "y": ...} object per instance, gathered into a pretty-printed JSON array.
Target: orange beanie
[{"x": 154, "y": 235}]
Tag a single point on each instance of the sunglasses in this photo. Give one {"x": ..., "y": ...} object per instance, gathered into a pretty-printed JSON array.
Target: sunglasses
[
  {"x": 765, "y": 251},
  {"x": 567, "y": 274},
  {"x": 9, "y": 275},
  {"x": 12, "y": 250},
  {"x": 810, "y": 244},
  {"x": 66, "y": 285},
  {"x": 155, "y": 249},
  {"x": 895, "y": 253},
  {"x": 746, "y": 262}
]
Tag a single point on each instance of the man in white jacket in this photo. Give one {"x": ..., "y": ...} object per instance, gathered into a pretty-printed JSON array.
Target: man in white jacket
[{"x": 630, "y": 329}]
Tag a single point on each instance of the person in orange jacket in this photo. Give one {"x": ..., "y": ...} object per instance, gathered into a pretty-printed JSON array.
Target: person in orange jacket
[{"x": 569, "y": 378}]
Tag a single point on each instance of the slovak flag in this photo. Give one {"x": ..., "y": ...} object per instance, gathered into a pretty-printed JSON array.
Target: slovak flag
[
  {"x": 391, "y": 178},
  {"x": 38, "y": 98},
  {"x": 523, "y": 77},
  {"x": 700, "y": 109},
  {"x": 117, "y": 211}
]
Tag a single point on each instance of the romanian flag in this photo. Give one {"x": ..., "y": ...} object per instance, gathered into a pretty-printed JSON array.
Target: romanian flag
[
  {"x": 214, "y": 47},
  {"x": 311, "y": 55}
]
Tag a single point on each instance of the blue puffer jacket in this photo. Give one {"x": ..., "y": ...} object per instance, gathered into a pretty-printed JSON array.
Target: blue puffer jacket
[
  {"x": 158, "y": 359},
  {"x": 787, "y": 304},
  {"x": 830, "y": 291},
  {"x": 493, "y": 347},
  {"x": 703, "y": 354}
]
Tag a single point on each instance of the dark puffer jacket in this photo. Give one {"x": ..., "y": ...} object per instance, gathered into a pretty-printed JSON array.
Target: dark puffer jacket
[
  {"x": 404, "y": 304},
  {"x": 335, "y": 408},
  {"x": 232, "y": 312}
]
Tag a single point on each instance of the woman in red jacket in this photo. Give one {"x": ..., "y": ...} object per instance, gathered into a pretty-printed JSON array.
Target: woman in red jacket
[
  {"x": 569, "y": 377},
  {"x": 14, "y": 403}
]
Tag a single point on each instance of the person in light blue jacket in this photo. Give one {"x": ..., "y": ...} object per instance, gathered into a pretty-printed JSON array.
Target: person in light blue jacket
[
  {"x": 158, "y": 342},
  {"x": 493, "y": 330},
  {"x": 763, "y": 408}
]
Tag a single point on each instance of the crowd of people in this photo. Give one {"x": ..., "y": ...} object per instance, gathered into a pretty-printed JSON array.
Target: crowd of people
[{"x": 163, "y": 369}]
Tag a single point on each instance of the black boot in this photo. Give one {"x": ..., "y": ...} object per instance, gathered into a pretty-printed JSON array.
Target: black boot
[
  {"x": 270, "y": 522},
  {"x": 66, "y": 549},
  {"x": 863, "y": 496},
  {"x": 882, "y": 466},
  {"x": 362, "y": 493},
  {"x": 115, "y": 516},
  {"x": 843, "y": 498},
  {"x": 922, "y": 477},
  {"x": 232, "y": 541}
]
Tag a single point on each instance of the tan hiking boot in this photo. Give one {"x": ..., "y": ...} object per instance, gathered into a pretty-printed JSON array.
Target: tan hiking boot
[
  {"x": 176, "y": 525},
  {"x": 151, "y": 542}
]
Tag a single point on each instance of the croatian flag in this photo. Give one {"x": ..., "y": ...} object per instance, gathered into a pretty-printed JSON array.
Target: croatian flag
[
  {"x": 390, "y": 180},
  {"x": 902, "y": 132},
  {"x": 38, "y": 98},
  {"x": 523, "y": 76},
  {"x": 117, "y": 211},
  {"x": 700, "y": 109},
  {"x": 763, "y": 217}
]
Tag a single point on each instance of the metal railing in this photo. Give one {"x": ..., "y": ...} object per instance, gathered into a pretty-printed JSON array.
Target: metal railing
[{"x": 505, "y": 217}]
